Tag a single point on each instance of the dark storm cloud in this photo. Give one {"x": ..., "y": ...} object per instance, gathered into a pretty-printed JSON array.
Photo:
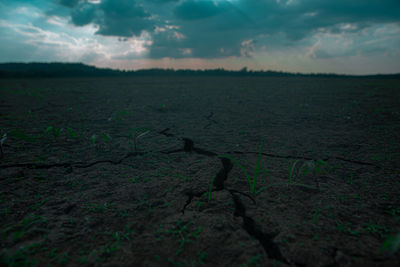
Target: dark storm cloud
[
  {"x": 68, "y": 3},
  {"x": 198, "y": 9},
  {"x": 113, "y": 17},
  {"x": 83, "y": 14},
  {"x": 204, "y": 29},
  {"x": 221, "y": 28},
  {"x": 210, "y": 28},
  {"x": 123, "y": 18}
]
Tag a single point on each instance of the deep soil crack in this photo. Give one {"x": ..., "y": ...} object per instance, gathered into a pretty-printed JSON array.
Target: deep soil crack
[
  {"x": 308, "y": 158},
  {"x": 79, "y": 165},
  {"x": 265, "y": 239},
  {"x": 222, "y": 174},
  {"x": 188, "y": 147},
  {"x": 249, "y": 225}
]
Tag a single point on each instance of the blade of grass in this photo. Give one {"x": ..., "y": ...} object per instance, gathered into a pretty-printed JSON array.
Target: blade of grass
[
  {"x": 291, "y": 171},
  {"x": 391, "y": 244},
  {"x": 239, "y": 165}
]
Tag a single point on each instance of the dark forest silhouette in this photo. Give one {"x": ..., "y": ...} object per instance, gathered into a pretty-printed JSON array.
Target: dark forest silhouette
[{"x": 49, "y": 70}]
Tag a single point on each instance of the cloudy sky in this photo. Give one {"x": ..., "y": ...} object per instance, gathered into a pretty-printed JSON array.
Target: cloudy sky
[{"x": 342, "y": 36}]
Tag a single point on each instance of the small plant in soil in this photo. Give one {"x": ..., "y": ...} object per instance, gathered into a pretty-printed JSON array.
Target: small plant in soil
[
  {"x": 185, "y": 235},
  {"x": 106, "y": 137},
  {"x": 138, "y": 133},
  {"x": 304, "y": 167},
  {"x": 252, "y": 180},
  {"x": 2, "y": 140},
  {"x": 93, "y": 139},
  {"x": 72, "y": 132},
  {"x": 297, "y": 169},
  {"x": 54, "y": 131},
  {"x": 391, "y": 244}
]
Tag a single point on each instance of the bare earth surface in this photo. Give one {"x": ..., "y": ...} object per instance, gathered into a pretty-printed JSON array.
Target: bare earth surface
[{"x": 197, "y": 171}]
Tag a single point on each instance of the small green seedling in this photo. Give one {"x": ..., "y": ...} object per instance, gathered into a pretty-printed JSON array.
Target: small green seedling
[
  {"x": 252, "y": 182},
  {"x": 185, "y": 235},
  {"x": 107, "y": 138},
  {"x": 119, "y": 116},
  {"x": 314, "y": 166},
  {"x": 2, "y": 140},
  {"x": 299, "y": 167},
  {"x": 138, "y": 133},
  {"x": 54, "y": 131},
  {"x": 391, "y": 244},
  {"x": 292, "y": 171},
  {"x": 93, "y": 139},
  {"x": 72, "y": 132}
]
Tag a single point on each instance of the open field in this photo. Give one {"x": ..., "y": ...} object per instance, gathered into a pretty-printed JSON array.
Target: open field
[{"x": 200, "y": 171}]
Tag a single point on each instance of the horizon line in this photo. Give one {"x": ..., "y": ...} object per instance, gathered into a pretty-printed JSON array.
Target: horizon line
[{"x": 244, "y": 69}]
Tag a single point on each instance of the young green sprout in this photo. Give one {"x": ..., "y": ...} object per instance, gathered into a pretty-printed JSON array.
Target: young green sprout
[
  {"x": 391, "y": 244},
  {"x": 3, "y": 138},
  {"x": 252, "y": 180},
  {"x": 93, "y": 139},
  {"x": 304, "y": 167},
  {"x": 54, "y": 131},
  {"x": 139, "y": 133},
  {"x": 107, "y": 138}
]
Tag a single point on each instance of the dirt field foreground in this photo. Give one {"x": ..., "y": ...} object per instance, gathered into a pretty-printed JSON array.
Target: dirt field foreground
[{"x": 198, "y": 171}]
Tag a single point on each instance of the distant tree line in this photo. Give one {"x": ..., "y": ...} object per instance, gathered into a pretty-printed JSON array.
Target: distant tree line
[
  {"x": 48, "y": 70},
  {"x": 60, "y": 70}
]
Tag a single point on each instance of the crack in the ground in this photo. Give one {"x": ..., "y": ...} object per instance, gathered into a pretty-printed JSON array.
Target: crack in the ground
[
  {"x": 244, "y": 194},
  {"x": 210, "y": 121},
  {"x": 358, "y": 162},
  {"x": 308, "y": 158},
  {"x": 265, "y": 239},
  {"x": 117, "y": 162},
  {"x": 36, "y": 165},
  {"x": 191, "y": 195},
  {"x": 79, "y": 165},
  {"x": 249, "y": 225},
  {"x": 188, "y": 147},
  {"x": 268, "y": 155},
  {"x": 222, "y": 174},
  {"x": 165, "y": 132},
  {"x": 32, "y": 165}
]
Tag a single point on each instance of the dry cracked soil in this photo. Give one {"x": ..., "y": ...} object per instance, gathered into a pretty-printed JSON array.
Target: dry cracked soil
[{"x": 200, "y": 171}]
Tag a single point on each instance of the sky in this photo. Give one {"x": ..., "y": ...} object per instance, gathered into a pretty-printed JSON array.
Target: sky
[{"x": 341, "y": 36}]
